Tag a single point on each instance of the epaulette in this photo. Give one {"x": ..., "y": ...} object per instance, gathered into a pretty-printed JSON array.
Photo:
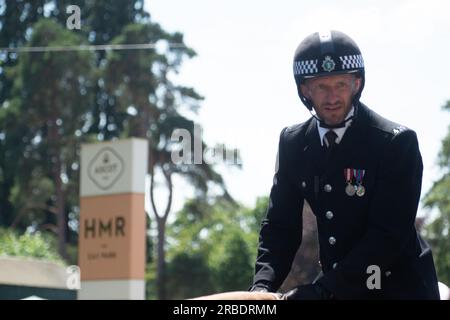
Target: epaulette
[{"x": 398, "y": 129}]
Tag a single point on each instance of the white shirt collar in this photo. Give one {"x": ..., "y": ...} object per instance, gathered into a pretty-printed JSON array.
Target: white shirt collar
[{"x": 339, "y": 131}]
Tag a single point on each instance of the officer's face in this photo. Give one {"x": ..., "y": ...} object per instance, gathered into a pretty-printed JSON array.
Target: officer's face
[{"x": 331, "y": 96}]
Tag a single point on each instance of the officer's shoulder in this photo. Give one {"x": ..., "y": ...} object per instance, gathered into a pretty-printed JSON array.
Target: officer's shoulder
[
  {"x": 385, "y": 128},
  {"x": 296, "y": 130}
]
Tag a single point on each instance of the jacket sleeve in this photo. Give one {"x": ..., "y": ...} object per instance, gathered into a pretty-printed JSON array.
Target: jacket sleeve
[
  {"x": 391, "y": 217},
  {"x": 281, "y": 230}
]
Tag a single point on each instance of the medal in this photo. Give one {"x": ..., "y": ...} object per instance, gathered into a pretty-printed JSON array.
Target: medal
[
  {"x": 350, "y": 189},
  {"x": 360, "y": 190},
  {"x": 359, "y": 174}
]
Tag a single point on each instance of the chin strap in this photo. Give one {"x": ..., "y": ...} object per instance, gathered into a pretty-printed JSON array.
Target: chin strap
[
  {"x": 332, "y": 126},
  {"x": 338, "y": 125}
]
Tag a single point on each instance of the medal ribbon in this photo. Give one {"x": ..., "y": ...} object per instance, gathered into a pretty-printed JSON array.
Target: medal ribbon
[
  {"x": 356, "y": 172},
  {"x": 359, "y": 175},
  {"x": 348, "y": 174}
]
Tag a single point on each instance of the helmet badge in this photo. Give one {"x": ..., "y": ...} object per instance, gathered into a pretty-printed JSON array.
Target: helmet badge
[{"x": 328, "y": 64}]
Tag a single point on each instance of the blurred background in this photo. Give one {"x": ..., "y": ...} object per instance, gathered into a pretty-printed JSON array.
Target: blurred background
[{"x": 225, "y": 66}]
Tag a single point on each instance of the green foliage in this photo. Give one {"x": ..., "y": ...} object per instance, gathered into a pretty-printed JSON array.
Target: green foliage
[
  {"x": 56, "y": 82},
  {"x": 437, "y": 232},
  {"x": 51, "y": 97},
  {"x": 233, "y": 263},
  {"x": 189, "y": 276},
  {"x": 212, "y": 247},
  {"x": 150, "y": 282},
  {"x": 254, "y": 216},
  {"x": 38, "y": 245},
  {"x": 37, "y": 89}
]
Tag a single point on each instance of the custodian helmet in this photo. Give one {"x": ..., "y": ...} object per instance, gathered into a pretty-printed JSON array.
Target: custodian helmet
[{"x": 324, "y": 54}]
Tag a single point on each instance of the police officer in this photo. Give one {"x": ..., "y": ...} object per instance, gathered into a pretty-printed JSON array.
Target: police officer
[{"x": 361, "y": 175}]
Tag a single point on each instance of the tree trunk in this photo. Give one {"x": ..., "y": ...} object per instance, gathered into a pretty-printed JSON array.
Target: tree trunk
[
  {"x": 56, "y": 168},
  {"x": 161, "y": 224},
  {"x": 161, "y": 267},
  {"x": 61, "y": 214}
]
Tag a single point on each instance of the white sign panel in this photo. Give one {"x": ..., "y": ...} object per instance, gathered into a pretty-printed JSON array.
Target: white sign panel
[{"x": 114, "y": 167}]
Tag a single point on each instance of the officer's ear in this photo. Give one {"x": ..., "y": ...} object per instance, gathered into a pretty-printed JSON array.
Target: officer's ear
[
  {"x": 305, "y": 91},
  {"x": 357, "y": 84}
]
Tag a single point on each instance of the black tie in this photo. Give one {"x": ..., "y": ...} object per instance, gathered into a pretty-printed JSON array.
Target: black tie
[{"x": 331, "y": 138}]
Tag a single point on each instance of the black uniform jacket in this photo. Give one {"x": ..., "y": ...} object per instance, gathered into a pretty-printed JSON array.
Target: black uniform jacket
[{"x": 357, "y": 234}]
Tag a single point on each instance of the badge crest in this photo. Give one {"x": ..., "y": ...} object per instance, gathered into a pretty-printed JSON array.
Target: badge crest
[{"x": 328, "y": 64}]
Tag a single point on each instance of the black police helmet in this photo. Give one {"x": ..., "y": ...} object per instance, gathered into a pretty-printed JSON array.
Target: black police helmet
[{"x": 324, "y": 54}]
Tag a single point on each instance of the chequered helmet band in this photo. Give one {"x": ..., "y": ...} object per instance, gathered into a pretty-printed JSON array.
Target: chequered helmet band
[{"x": 310, "y": 67}]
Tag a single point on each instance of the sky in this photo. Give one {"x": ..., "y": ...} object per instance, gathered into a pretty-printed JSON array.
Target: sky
[{"x": 243, "y": 68}]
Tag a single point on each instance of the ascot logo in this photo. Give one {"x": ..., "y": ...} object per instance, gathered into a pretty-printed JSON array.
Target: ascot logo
[{"x": 105, "y": 168}]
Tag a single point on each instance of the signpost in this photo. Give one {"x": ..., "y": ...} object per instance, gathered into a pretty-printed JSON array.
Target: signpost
[{"x": 112, "y": 220}]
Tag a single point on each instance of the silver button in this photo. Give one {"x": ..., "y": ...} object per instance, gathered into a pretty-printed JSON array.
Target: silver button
[
  {"x": 303, "y": 184},
  {"x": 329, "y": 215},
  {"x": 332, "y": 240},
  {"x": 388, "y": 273},
  {"x": 334, "y": 265},
  {"x": 327, "y": 188}
]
